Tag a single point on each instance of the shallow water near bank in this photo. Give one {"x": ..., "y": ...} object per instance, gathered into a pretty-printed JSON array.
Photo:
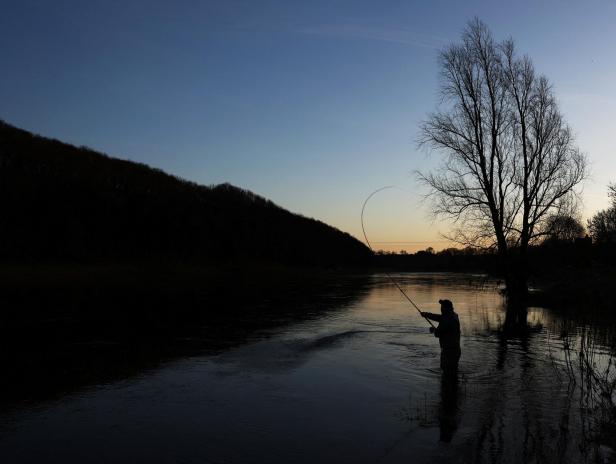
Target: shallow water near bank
[{"x": 358, "y": 384}]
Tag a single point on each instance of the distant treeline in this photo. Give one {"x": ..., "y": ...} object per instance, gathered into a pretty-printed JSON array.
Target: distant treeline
[
  {"x": 450, "y": 259},
  {"x": 62, "y": 203},
  {"x": 543, "y": 258}
]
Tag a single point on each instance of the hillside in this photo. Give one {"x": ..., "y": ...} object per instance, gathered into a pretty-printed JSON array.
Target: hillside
[{"x": 61, "y": 203}]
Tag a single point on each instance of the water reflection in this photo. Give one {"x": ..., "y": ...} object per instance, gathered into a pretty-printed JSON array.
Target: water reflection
[
  {"x": 448, "y": 408},
  {"x": 515, "y": 329},
  {"x": 123, "y": 333},
  {"x": 362, "y": 383}
]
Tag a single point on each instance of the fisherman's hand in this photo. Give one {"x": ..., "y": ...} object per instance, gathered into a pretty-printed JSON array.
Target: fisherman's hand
[
  {"x": 423, "y": 314},
  {"x": 431, "y": 330}
]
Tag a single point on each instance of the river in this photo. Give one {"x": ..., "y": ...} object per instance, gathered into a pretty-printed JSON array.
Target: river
[{"x": 358, "y": 384}]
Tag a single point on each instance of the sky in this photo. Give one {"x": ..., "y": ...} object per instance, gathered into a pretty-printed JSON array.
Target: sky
[{"x": 312, "y": 104}]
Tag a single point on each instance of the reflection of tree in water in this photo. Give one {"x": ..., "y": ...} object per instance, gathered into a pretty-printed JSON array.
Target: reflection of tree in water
[
  {"x": 532, "y": 413},
  {"x": 515, "y": 327},
  {"x": 512, "y": 403}
]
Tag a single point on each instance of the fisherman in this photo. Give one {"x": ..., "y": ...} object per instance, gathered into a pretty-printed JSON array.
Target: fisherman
[{"x": 448, "y": 334}]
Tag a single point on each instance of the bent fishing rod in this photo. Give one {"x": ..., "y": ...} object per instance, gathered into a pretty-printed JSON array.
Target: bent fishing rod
[{"x": 370, "y": 246}]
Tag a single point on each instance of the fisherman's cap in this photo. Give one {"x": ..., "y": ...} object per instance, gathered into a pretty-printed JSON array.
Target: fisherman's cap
[{"x": 447, "y": 304}]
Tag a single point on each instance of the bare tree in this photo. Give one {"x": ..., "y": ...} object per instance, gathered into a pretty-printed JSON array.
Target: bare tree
[{"x": 510, "y": 158}]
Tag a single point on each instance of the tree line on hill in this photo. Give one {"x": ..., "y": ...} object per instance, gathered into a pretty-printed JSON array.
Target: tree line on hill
[{"x": 61, "y": 203}]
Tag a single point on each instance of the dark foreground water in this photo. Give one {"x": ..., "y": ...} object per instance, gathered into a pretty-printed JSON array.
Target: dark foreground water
[{"x": 358, "y": 384}]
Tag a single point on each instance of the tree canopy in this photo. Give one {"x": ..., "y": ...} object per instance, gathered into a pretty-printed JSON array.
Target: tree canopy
[
  {"x": 510, "y": 160},
  {"x": 602, "y": 226}
]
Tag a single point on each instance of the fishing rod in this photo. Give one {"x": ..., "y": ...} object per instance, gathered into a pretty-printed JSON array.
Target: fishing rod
[{"x": 370, "y": 246}]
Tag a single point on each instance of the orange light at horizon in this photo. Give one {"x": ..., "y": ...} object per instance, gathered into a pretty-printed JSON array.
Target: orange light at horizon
[{"x": 413, "y": 247}]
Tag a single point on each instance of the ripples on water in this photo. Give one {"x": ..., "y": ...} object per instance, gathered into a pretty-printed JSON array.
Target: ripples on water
[{"x": 362, "y": 384}]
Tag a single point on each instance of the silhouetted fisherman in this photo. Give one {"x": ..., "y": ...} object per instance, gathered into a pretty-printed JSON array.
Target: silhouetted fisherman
[{"x": 448, "y": 334}]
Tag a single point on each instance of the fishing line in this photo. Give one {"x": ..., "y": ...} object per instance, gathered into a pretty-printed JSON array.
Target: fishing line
[{"x": 370, "y": 246}]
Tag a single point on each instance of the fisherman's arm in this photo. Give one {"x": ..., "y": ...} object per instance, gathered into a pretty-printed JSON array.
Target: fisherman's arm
[{"x": 432, "y": 316}]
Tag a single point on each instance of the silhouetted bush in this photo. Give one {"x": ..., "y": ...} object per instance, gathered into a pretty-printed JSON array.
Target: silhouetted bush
[{"x": 602, "y": 225}]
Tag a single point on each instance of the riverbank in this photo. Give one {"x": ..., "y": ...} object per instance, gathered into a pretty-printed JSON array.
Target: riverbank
[{"x": 577, "y": 290}]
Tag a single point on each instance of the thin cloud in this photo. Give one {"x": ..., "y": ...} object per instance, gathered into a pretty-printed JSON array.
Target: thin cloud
[{"x": 397, "y": 36}]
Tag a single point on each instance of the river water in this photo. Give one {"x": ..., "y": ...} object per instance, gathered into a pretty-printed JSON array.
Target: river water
[{"x": 359, "y": 384}]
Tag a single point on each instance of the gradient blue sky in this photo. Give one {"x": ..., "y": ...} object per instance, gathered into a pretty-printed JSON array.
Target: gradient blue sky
[{"x": 312, "y": 104}]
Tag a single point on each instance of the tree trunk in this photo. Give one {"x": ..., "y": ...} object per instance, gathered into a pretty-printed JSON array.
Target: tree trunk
[{"x": 517, "y": 279}]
